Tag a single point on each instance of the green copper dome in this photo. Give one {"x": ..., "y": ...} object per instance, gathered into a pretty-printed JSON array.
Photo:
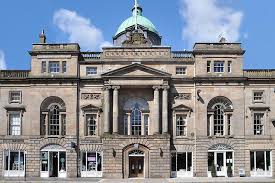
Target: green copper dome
[{"x": 141, "y": 20}]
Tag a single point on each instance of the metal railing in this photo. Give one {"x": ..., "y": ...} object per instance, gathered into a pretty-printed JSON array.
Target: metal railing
[
  {"x": 182, "y": 54},
  {"x": 14, "y": 74}
]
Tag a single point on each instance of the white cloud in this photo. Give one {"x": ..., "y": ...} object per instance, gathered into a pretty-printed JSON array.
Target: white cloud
[
  {"x": 2, "y": 61},
  {"x": 79, "y": 29},
  {"x": 205, "y": 20}
]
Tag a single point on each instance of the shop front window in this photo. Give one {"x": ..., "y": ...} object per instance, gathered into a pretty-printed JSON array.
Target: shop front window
[
  {"x": 91, "y": 164},
  {"x": 182, "y": 164},
  {"x": 14, "y": 163},
  {"x": 260, "y": 163}
]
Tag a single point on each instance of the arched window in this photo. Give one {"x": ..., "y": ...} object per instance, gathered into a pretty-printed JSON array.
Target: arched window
[
  {"x": 136, "y": 118},
  {"x": 219, "y": 113},
  {"x": 53, "y": 117}
]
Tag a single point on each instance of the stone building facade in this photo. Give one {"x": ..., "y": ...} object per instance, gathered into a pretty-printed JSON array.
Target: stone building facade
[{"x": 137, "y": 109}]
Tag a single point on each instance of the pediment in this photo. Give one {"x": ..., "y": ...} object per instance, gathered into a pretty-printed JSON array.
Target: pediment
[
  {"x": 136, "y": 70},
  {"x": 182, "y": 107}
]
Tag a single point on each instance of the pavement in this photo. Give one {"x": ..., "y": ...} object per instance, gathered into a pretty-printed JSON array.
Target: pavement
[{"x": 170, "y": 180}]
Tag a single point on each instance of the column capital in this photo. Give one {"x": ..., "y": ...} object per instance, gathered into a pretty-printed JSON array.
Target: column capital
[
  {"x": 156, "y": 87},
  {"x": 106, "y": 87},
  {"x": 116, "y": 87},
  {"x": 166, "y": 87}
]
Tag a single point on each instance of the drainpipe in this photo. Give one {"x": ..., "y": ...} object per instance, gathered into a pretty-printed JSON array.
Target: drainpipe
[
  {"x": 77, "y": 117},
  {"x": 195, "y": 129}
]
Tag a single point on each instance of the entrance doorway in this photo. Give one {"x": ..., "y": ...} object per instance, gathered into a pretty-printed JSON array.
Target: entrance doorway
[
  {"x": 53, "y": 162},
  {"x": 221, "y": 160},
  {"x": 136, "y": 164}
]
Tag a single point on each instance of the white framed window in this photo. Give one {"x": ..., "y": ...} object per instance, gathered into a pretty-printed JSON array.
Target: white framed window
[
  {"x": 258, "y": 123},
  {"x": 15, "y": 123},
  {"x": 219, "y": 120},
  {"x": 180, "y": 70},
  {"x": 258, "y": 96},
  {"x": 91, "y": 124},
  {"x": 208, "y": 67},
  {"x": 229, "y": 128},
  {"x": 182, "y": 164},
  {"x": 54, "y": 67},
  {"x": 181, "y": 125},
  {"x": 261, "y": 163},
  {"x": 218, "y": 66},
  {"x": 14, "y": 163},
  {"x": 229, "y": 66},
  {"x": 91, "y": 71},
  {"x": 91, "y": 164},
  {"x": 15, "y": 97}
]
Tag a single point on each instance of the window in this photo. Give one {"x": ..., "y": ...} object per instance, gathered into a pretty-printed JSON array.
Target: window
[
  {"x": 136, "y": 121},
  {"x": 181, "y": 125},
  {"x": 146, "y": 124},
  {"x": 258, "y": 123},
  {"x": 91, "y": 71},
  {"x": 14, "y": 123},
  {"x": 14, "y": 161},
  {"x": 125, "y": 128},
  {"x": 260, "y": 163},
  {"x": 91, "y": 162},
  {"x": 229, "y": 66},
  {"x": 53, "y": 117},
  {"x": 218, "y": 66},
  {"x": 182, "y": 163},
  {"x": 208, "y": 66},
  {"x": 180, "y": 70},
  {"x": 91, "y": 124},
  {"x": 43, "y": 67},
  {"x": 218, "y": 120},
  {"x": 64, "y": 66},
  {"x": 54, "y": 67},
  {"x": 15, "y": 97},
  {"x": 258, "y": 96}
]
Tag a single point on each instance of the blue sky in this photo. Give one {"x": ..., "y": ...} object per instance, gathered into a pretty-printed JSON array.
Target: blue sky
[{"x": 180, "y": 22}]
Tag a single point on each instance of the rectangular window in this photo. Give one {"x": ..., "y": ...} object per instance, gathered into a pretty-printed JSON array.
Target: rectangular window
[
  {"x": 14, "y": 161},
  {"x": 91, "y": 71},
  {"x": 258, "y": 96},
  {"x": 146, "y": 124},
  {"x": 208, "y": 66},
  {"x": 64, "y": 67},
  {"x": 91, "y": 124},
  {"x": 258, "y": 124},
  {"x": 15, "y": 123},
  {"x": 125, "y": 125},
  {"x": 180, "y": 70},
  {"x": 229, "y": 66},
  {"x": 260, "y": 162},
  {"x": 54, "y": 67},
  {"x": 181, "y": 128},
  {"x": 229, "y": 124},
  {"x": 91, "y": 161},
  {"x": 43, "y": 67},
  {"x": 219, "y": 66},
  {"x": 181, "y": 162},
  {"x": 15, "y": 97}
]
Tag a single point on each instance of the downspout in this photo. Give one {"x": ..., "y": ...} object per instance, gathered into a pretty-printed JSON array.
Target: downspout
[
  {"x": 77, "y": 118},
  {"x": 195, "y": 129}
]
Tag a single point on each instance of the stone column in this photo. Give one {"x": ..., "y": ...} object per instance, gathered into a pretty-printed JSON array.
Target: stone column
[
  {"x": 106, "y": 109},
  {"x": 165, "y": 109},
  {"x": 115, "y": 109},
  {"x": 156, "y": 109}
]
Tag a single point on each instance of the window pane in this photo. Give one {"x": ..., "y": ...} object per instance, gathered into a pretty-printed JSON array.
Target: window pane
[
  {"x": 146, "y": 124},
  {"x": 181, "y": 125},
  {"x": 99, "y": 162},
  {"x": 43, "y": 124},
  {"x": 83, "y": 161},
  {"x": 180, "y": 70},
  {"x": 14, "y": 161},
  {"x": 6, "y": 155},
  {"x": 260, "y": 160},
  {"x": 218, "y": 66},
  {"x": 210, "y": 160},
  {"x": 54, "y": 67},
  {"x": 125, "y": 128},
  {"x": 22, "y": 161},
  {"x": 91, "y": 124},
  {"x": 252, "y": 163},
  {"x": 268, "y": 164},
  {"x": 15, "y": 96},
  {"x": 62, "y": 161},
  {"x": 91, "y": 161},
  {"x": 189, "y": 161},
  {"x": 218, "y": 120},
  {"x": 64, "y": 66},
  {"x": 44, "y": 161},
  {"x": 91, "y": 71},
  {"x": 15, "y": 123},
  {"x": 54, "y": 120},
  {"x": 181, "y": 161},
  {"x": 63, "y": 120},
  {"x": 258, "y": 123},
  {"x": 136, "y": 121}
]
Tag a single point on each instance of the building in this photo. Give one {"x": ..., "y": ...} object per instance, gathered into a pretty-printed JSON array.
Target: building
[{"x": 137, "y": 109}]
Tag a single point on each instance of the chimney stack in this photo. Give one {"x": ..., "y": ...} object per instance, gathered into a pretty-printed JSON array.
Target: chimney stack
[{"x": 42, "y": 37}]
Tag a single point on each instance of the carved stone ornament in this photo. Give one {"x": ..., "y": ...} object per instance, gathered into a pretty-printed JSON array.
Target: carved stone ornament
[
  {"x": 90, "y": 96},
  {"x": 183, "y": 96},
  {"x": 136, "y": 38}
]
